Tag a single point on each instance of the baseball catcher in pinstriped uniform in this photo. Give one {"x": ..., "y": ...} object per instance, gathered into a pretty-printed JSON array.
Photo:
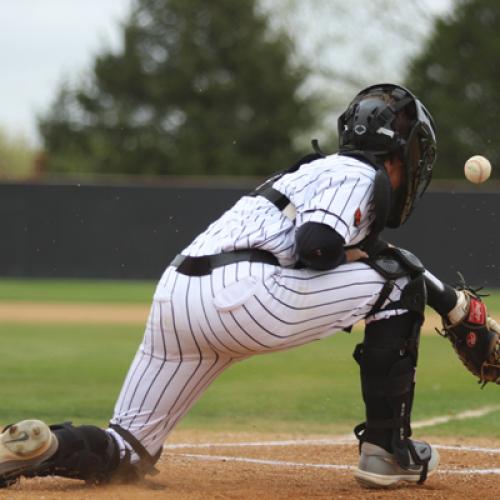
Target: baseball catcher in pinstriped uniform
[{"x": 296, "y": 260}]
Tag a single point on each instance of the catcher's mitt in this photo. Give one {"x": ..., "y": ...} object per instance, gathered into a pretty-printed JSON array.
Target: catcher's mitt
[{"x": 475, "y": 338}]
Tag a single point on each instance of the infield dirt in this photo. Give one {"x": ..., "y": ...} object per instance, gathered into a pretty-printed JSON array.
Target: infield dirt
[
  {"x": 222, "y": 472},
  {"x": 50, "y": 312},
  {"x": 186, "y": 478}
]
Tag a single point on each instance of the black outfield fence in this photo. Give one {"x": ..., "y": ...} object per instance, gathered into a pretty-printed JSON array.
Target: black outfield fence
[
  {"x": 100, "y": 231},
  {"x": 132, "y": 232}
]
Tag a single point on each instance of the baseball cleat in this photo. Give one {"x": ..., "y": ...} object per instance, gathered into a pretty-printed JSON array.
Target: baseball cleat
[
  {"x": 378, "y": 468},
  {"x": 22, "y": 446}
]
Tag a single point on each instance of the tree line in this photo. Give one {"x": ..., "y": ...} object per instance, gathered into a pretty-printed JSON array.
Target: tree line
[{"x": 212, "y": 88}]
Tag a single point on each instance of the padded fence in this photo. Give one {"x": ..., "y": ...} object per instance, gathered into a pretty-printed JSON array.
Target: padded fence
[{"x": 132, "y": 232}]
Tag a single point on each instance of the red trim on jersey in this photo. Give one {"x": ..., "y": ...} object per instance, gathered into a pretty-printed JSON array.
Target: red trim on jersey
[{"x": 357, "y": 217}]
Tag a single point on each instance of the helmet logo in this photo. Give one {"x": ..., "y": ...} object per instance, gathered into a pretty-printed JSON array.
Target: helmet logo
[{"x": 359, "y": 129}]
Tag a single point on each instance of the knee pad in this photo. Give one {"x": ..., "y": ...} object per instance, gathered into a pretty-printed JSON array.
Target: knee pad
[
  {"x": 387, "y": 360},
  {"x": 394, "y": 263}
]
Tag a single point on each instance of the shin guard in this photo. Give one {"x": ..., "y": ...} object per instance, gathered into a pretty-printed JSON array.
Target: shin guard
[{"x": 387, "y": 360}]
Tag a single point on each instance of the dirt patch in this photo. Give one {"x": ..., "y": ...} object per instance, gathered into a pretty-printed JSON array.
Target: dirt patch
[
  {"x": 294, "y": 470},
  {"x": 41, "y": 312},
  {"x": 49, "y": 312}
]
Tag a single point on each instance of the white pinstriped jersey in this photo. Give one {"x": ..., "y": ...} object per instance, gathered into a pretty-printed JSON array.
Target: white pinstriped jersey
[
  {"x": 329, "y": 190},
  {"x": 200, "y": 325}
]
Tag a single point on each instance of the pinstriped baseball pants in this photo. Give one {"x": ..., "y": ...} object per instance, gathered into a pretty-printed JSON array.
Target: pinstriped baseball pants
[{"x": 199, "y": 326}]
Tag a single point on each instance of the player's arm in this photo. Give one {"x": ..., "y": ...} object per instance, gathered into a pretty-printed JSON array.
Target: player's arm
[{"x": 320, "y": 247}]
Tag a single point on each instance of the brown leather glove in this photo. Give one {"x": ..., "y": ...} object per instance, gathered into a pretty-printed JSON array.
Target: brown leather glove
[{"x": 475, "y": 337}]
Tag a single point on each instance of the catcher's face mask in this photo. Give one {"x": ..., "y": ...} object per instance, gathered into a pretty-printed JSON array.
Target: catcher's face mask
[
  {"x": 370, "y": 128},
  {"x": 419, "y": 154}
]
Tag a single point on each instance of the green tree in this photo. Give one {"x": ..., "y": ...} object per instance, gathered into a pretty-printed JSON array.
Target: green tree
[
  {"x": 17, "y": 157},
  {"x": 199, "y": 88},
  {"x": 457, "y": 77}
]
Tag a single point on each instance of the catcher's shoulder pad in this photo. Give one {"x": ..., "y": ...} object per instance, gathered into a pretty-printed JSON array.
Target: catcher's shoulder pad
[{"x": 476, "y": 340}]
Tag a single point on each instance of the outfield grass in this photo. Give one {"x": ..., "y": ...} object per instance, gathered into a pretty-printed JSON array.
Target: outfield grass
[
  {"x": 315, "y": 388},
  {"x": 110, "y": 291},
  {"x": 68, "y": 291},
  {"x": 75, "y": 372},
  {"x": 60, "y": 372}
]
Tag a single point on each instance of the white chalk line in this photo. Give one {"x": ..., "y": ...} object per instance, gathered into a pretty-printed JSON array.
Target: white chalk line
[
  {"x": 281, "y": 463},
  {"x": 479, "y": 412},
  {"x": 223, "y": 458},
  {"x": 314, "y": 442},
  {"x": 291, "y": 442},
  {"x": 476, "y": 449},
  {"x": 349, "y": 438}
]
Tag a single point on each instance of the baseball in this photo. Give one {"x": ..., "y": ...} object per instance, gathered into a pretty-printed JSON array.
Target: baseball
[{"x": 477, "y": 169}]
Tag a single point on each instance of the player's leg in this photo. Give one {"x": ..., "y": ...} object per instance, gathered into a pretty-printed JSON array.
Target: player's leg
[
  {"x": 200, "y": 326},
  {"x": 197, "y": 328},
  {"x": 177, "y": 360},
  {"x": 181, "y": 355},
  {"x": 291, "y": 307},
  {"x": 388, "y": 360},
  {"x": 296, "y": 306}
]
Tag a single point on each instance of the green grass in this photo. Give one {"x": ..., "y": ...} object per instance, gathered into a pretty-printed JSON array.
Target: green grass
[
  {"x": 61, "y": 372},
  {"x": 68, "y": 291},
  {"x": 108, "y": 291},
  {"x": 74, "y": 372},
  {"x": 315, "y": 388}
]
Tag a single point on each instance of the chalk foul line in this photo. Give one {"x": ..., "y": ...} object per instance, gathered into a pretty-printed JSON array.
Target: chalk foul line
[
  {"x": 305, "y": 465},
  {"x": 479, "y": 412},
  {"x": 224, "y": 458},
  {"x": 349, "y": 438}
]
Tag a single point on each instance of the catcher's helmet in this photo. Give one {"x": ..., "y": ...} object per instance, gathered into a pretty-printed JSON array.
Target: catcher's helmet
[{"x": 385, "y": 119}]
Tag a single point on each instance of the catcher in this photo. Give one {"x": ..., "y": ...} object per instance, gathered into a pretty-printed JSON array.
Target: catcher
[{"x": 296, "y": 260}]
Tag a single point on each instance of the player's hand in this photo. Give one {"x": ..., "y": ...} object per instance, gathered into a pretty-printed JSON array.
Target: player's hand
[{"x": 354, "y": 254}]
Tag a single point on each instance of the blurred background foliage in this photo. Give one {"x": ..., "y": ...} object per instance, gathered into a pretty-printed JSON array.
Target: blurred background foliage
[
  {"x": 457, "y": 75},
  {"x": 200, "y": 88},
  {"x": 17, "y": 156},
  {"x": 240, "y": 87}
]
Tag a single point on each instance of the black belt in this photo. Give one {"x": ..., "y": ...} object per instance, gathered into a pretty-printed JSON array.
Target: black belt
[{"x": 201, "y": 266}]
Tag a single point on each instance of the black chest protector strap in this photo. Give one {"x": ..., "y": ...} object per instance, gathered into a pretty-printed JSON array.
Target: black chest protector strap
[
  {"x": 278, "y": 199},
  {"x": 382, "y": 204}
]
